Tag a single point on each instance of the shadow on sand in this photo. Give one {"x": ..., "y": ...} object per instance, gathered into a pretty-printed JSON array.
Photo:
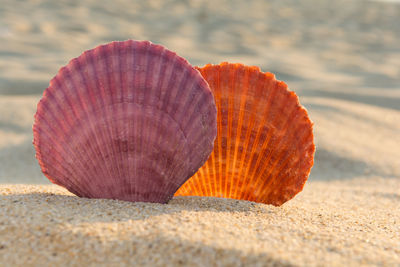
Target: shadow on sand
[
  {"x": 331, "y": 166},
  {"x": 69, "y": 219}
]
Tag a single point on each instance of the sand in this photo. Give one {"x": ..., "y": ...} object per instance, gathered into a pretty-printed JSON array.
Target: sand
[
  {"x": 330, "y": 223},
  {"x": 341, "y": 57}
]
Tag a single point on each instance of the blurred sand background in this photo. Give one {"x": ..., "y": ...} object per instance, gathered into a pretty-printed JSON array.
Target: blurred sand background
[{"x": 341, "y": 57}]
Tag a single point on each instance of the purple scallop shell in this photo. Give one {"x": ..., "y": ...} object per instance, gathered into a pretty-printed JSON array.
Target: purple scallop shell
[{"x": 127, "y": 120}]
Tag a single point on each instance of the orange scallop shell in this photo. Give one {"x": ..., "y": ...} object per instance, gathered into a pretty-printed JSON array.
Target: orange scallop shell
[{"x": 264, "y": 148}]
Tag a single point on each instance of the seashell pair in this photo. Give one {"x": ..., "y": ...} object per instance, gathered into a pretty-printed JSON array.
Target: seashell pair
[{"x": 134, "y": 121}]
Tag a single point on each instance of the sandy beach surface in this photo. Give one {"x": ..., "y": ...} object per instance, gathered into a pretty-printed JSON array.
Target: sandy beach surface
[
  {"x": 341, "y": 57},
  {"x": 331, "y": 223}
]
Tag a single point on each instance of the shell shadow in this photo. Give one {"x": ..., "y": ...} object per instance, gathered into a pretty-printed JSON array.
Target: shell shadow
[
  {"x": 344, "y": 167},
  {"x": 67, "y": 220},
  {"x": 76, "y": 210}
]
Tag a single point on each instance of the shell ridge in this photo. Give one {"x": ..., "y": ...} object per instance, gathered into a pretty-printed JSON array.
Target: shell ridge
[
  {"x": 135, "y": 128},
  {"x": 107, "y": 53},
  {"x": 166, "y": 115},
  {"x": 114, "y": 61},
  {"x": 205, "y": 187},
  {"x": 102, "y": 68},
  {"x": 300, "y": 132},
  {"x": 266, "y": 183},
  {"x": 152, "y": 135},
  {"x": 184, "y": 113},
  {"x": 178, "y": 168},
  {"x": 142, "y": 60},
  {"x": 301, "y": 180},
  {"x": 266, "y": 109},
  {"x": 123, "y": 56},
  {"x": 208, "y": 146},
  {"x": 144, "y": 122},
  {"x": 168, "y": 74},
  {"x": 105, "y": 134},
  {"x": 167, "y": 85},
  {"x": 254, "y": 126},
  {"x": 265, "y": 125},
  {"x": 229, "y": 83},
  {"x": 212, "y": 171},
  {"x": 230, "y": 102},
  {"x": 73, "y": 115},
  {"x": 283, "y": 183},
  {"x": 182, "y": 81},
  {"x": 72, "y": 88},
  {"x": 39, "y": 154},
  {"x": 129, "y": 93},
  {"x": 272, "y": 179},
  {"x": 171, "y": 79},
  {"x": 137, "y": 70},
  {"x": 229, "y": 92},
  {"x": 189, "y": 113},
  {"x": 238, "y": 156},
  {"x": 85, "y": 92},
  {"x": 198, "y": 144},
  {"x": 213, "y": 155},
  {"x": 98, "y": 136},
  {"x": 219, "y": 134},
  {"x": 224, "y": 129},
  {"x": 252, "y": 169},
  {"x": 196, "y": 189},
  {"x": 45, "y": 170}
]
